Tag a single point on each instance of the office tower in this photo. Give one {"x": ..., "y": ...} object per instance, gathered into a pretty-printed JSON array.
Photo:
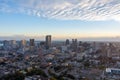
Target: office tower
[
  {"x": 42, "y": 44},
  {"x": 74, "y": 44},
  {"x": 67, "y": 42},
  {"x": 80, "y": 43},
  {"x": 74, "y": 41},
  {"x": 23, "y": 43},
  {"x": 32, "y": 43},
  {"x": 48, "y": 41},
  {"x": 13, "y": 42},
  {"x": 6, "y": 43}
]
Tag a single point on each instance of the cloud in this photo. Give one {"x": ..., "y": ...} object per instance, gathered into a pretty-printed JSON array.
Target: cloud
[{"x": 90, "y": 10}]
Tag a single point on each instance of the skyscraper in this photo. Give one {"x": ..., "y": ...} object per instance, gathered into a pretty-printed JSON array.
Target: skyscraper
[
  {"x": 32, "y": 44},
  {"x": 23, "y": 43},
  {"x": 74, "y": 44},
  {"x": 13, "y": 42},
  {"x": 48, "y": 41},
  {"x": 67, "y": 42}
]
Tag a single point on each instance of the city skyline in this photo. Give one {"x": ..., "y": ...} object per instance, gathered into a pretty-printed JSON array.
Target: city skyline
[{"x": 89, "y": 19}]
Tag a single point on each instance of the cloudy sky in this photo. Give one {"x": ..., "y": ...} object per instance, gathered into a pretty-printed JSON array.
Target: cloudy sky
[{"x": 60, "y": 18}]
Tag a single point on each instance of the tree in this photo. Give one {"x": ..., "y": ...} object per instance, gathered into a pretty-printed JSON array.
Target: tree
[
  {"x": 87, "y": 63},
  {"x": 53, "y": 78}
]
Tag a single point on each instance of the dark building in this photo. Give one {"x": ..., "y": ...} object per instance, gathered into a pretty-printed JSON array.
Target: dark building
[
  {"x": 6, "y": 43},
  {"x": 42, "y": 44},
  {"x": 67, "y": 42},
  {"x": 48, "y": 41},
  {"x": 80, "y": 43},
  {"x": 32, "y": 43},
  {"x": 74, "y": 41},
  {"x": 74, "y": 45}
]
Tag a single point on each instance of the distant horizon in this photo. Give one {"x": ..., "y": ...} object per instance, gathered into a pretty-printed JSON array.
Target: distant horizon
[{"x": 42, "y": 38}]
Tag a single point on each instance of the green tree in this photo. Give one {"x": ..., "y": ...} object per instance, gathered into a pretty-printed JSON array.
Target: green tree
[{"x": 53, "y": 78}]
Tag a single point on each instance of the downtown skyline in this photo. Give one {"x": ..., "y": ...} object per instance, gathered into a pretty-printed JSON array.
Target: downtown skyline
[{"x": 61, "y": 19}]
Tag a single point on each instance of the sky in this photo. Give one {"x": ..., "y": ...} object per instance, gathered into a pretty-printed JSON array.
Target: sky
[{"x": 23, "y": 19}]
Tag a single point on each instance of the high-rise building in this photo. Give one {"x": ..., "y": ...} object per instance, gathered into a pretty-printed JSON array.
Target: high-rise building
[
  {"x": 42, "y": 44},
  {"x": 74, "y": 41},
  {"x": 13, "y": 42},
  {"x": 32, "y": 43},
  {"x": 6, "y": 43},
  {"x": 74, "y": 44},
  {"x": 23, "y": 43},
  {"x": 67, "y": 42},
  {"x": 48, "y": 41}
]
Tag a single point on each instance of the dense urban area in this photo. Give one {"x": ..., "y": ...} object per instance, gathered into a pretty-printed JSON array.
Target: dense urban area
[{"x": 59, "y": 60}]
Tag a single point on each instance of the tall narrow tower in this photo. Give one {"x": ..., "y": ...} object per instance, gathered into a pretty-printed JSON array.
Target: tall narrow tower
[
  {"x": 32, "y": 44},
  {"x": 48, "y": 41}
]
